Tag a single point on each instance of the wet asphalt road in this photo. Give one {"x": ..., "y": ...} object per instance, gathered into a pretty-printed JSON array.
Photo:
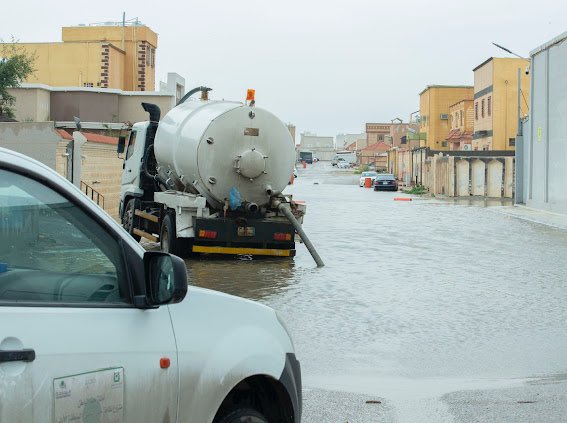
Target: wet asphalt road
[{"x": 442, "y": 311}]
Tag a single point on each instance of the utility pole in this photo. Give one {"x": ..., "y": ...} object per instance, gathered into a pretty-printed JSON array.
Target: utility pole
[
  {"x": 123, "y": 28},
  {"x": 519, "y": 141}
]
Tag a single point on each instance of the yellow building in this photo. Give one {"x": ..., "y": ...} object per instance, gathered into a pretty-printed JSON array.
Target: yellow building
[
  {"x": 496, "y": 102},
  {"x": 461, "y": 118},
  {"x": 112, "y": 56},
  {"x": 434, "y": 102}
]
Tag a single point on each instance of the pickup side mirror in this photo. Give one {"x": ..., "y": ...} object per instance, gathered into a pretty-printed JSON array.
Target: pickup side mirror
[
  {"x": 166, "y": 278},
  {"x": 121, "y": 144}
]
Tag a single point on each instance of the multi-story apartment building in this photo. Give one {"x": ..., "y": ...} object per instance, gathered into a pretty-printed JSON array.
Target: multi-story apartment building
[
  {"x": 100, "y": 56},
  {"x": 434, "y": 102},
  {"x": 496, "y": 102},
  {"x": 461, "y": 118}
]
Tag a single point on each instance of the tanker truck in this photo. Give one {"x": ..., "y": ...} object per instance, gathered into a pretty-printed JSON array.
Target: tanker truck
[{"x": 208, "y": 178}]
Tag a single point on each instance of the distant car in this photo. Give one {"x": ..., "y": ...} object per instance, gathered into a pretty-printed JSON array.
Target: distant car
[
  {"x": 364, "y": 175},
  {"x": 343, "y": 164},
  {"x": 385, "y": 182}
]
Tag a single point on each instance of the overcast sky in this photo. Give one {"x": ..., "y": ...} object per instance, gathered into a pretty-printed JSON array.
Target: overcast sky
[{"x": 326, "y": 66}]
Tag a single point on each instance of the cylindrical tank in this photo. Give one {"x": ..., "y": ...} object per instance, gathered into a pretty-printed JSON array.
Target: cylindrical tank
[{"x": 214, "y": 146}]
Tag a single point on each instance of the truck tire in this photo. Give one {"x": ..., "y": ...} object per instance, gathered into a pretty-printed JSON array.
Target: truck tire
[
  {"x": 244, "y": 415},
  {"x": 168, "y": 236},
  {"x": 128, "y": 218}
]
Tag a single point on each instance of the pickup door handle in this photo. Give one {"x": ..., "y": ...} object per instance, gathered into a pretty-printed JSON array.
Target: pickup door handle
[{"x": 27, "y": 355}]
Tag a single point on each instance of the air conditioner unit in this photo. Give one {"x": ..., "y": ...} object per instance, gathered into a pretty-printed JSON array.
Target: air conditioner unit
[
  {"x": 467, "y": 147},
  {"x": 444, "y": 116}
]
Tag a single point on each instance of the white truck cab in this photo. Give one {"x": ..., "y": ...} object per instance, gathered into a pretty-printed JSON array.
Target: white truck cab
[
  {"x": 132, "y": 162},
  {"x": 95, "y": 329}
]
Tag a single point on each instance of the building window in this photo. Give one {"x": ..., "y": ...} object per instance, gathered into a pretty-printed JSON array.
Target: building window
[
  {"x": 476, "y": 110},
  {"x": 443, "y": 143},
  {"x": 482, "y": 108},
  {"x": 511, "y": 142},
  {"x": 153, "y": 58},
  {"x": 461, "y": 118},
  {"x": 88, "y": 84},
  {"x": 489, "y": 106}
]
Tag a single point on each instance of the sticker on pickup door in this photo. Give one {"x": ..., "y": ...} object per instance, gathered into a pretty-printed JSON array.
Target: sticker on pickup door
[{"x": 90, "y": 397}]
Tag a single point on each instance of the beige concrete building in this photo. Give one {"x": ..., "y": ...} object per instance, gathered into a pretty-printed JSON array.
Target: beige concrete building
[
  {"x": 461, "y": 118},
  {"x": 97, "y": 56},
  {"x": 40, "y": 103},
  {"x": 322, "y": 147},
  {"x": 376, "y": 132},
  {"x": 434, "y": 103},
  {"x": 496, "y": 102},
  {"x": 394, "y": 134}
]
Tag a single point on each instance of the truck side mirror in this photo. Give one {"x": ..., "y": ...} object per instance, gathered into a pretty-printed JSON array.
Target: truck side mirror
[
  {"x": 166, "y": 278},
  {"x": 121, "y": 144}
]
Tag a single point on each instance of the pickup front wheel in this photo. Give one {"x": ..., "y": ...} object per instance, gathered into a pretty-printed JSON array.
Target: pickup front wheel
[{"x": 244, "y": 415}]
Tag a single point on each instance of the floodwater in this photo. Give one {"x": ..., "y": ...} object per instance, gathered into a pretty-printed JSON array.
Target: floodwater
[{"x": 417, "y": 299}]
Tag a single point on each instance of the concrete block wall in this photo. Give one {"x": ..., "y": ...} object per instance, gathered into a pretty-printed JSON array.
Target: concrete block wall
[
  {"x": 102, "y": 170},
  {"x": 101, "y": 167},
  {"x": 491, "y": 177}
]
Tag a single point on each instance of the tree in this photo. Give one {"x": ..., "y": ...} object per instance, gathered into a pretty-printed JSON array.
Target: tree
[{"x": 15, "y": 66}]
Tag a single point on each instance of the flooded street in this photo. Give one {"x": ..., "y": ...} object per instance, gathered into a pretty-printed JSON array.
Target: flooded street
[{"x": 418, "y": 302}]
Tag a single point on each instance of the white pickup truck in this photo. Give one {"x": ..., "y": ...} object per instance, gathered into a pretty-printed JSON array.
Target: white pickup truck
[{"x": 95, "y": 329}]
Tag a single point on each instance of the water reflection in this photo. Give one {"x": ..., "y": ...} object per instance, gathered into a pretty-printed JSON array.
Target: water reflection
[{"x": 254, "y": 279}]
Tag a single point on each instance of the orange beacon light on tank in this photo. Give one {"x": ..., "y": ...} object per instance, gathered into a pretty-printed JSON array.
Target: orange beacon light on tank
[{"x": 250, "y": 93}]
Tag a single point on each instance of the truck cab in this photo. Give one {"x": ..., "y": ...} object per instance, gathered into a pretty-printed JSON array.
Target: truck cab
[{"x": 134, "y": 150}]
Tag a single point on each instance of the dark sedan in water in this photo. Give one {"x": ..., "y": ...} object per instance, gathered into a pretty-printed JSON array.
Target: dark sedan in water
[{"x": 385, "y": 181}]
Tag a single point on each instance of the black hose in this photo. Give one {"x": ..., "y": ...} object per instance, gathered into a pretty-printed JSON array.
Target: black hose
[
  {"x": 193, "y": 91},
  {"x": 153, "y": 110},
  {"x": 155, "y": 176}
]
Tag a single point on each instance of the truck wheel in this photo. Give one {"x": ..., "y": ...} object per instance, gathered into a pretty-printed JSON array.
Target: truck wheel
[
  {"x": 128, "y": 218},
  {"x": 168, "y": 236},
  {"x": 244, "y": 415}
]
